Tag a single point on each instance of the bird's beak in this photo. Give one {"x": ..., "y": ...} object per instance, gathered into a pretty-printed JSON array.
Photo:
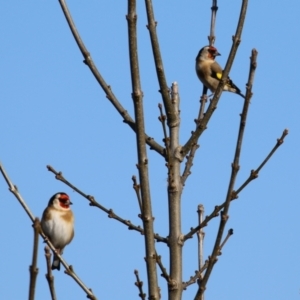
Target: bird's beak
[
  {"x": 70, "y": 203},
  {"x": 217, "y": 53}
]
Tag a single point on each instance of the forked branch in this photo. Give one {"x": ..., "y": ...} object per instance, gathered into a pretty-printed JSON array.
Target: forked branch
[
  {"x": 253, "y": 175},
  {"x": 93, "y": 202},
  {"x": 198, "y": 274}
]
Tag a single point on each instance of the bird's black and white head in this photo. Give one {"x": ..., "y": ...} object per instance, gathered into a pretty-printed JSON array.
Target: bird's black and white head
[
  {"x": 207, "y": 53},
  {"x": 60, "y": 201}
]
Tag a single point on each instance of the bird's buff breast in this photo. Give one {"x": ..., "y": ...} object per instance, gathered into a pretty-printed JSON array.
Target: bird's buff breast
[{"x": 58, "y": 229}]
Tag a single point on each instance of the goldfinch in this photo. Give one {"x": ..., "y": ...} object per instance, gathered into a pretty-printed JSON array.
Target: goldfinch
[
  {"x": 210, "y": 73},
  {"x": 58, "y": 224}
]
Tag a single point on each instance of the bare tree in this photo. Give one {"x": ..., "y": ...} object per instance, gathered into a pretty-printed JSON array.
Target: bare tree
[{"x": 174, "y": 156}]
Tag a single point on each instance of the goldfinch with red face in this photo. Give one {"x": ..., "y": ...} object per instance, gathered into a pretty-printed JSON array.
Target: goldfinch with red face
[
  {"x": 58, "y": 224},
  {"x": 210, "y": 73}
]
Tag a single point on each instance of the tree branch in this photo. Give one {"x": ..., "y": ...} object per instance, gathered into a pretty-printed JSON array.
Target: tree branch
[
  {"x": 162, "y": 268},
  {"x": 33, "y": 268},
  {"x": 164, "y": 90},
  {"x": 139, "y": 284},
  {"x": 49, "y": 276},
  {"x": 254, "y": 173},
  {"x": 174, "y": 202},
  {"x": 200, "y": 235},
  {"x": 229, "y": 234},
  {"x": 137, "y": 187},
  {"x": 214, "y": 9},
  {"x": 137, "y": 97},
  {"x": 162, "y": 118},
  {"x": 189, "y": 163},
  {"x": 106, "y": 88}
]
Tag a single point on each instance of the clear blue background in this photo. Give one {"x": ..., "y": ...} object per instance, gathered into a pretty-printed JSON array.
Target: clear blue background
[{"x": 53, "y": 112}]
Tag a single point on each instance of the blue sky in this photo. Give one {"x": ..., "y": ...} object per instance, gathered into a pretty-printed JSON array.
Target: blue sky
[{"x": 53, "y": 112}]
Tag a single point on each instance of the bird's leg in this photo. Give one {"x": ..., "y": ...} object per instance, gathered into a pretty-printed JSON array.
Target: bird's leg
[{"x": 58, "y": 251}]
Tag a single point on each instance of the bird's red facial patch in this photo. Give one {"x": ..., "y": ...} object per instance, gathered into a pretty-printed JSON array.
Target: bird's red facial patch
[
  {"x": 64, "y": 201},
  {"x": 212, "y": 52}
]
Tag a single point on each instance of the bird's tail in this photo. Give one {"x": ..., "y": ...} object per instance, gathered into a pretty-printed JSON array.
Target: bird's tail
[
  {"x": 55, "y": 263},
  {"x": 239, "y": 93},
  {"x": 233, "y": 88}
]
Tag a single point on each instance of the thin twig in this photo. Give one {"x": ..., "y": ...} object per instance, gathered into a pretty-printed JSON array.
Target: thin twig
[
  {"x": 137, "y": 187},
  {"x": 162, "y": 118},
  {"x": 214, "y": 9},
  {"x": 33, "y": 268},
  {"x": 106, "y": 88},
  {"x": 13, "y": 188},
  {"x": 229, "y": 234},
  {"x": 203, "y": 101},
  {"x": 164, "y": 90},
  {"x": 254, "y": 173},
  {"x": 49, "y": 276},
  {"x": 189, "y": 164},
  {"x": 191, "y": 154},
  {"x": 93, "y": 202},
  {"x": 162, "y": 268},
  {"x": 197, "y": 276},
  {"x": 200, "y": 235},
  {"x": 69, "y": 269},
  {"x": 139, "y": 284}
]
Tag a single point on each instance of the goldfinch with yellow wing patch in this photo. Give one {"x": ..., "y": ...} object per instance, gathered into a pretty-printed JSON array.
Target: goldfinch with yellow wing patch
[
  {"x": 210, "y": 73},
  {"x": 58, "y": 224}
]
